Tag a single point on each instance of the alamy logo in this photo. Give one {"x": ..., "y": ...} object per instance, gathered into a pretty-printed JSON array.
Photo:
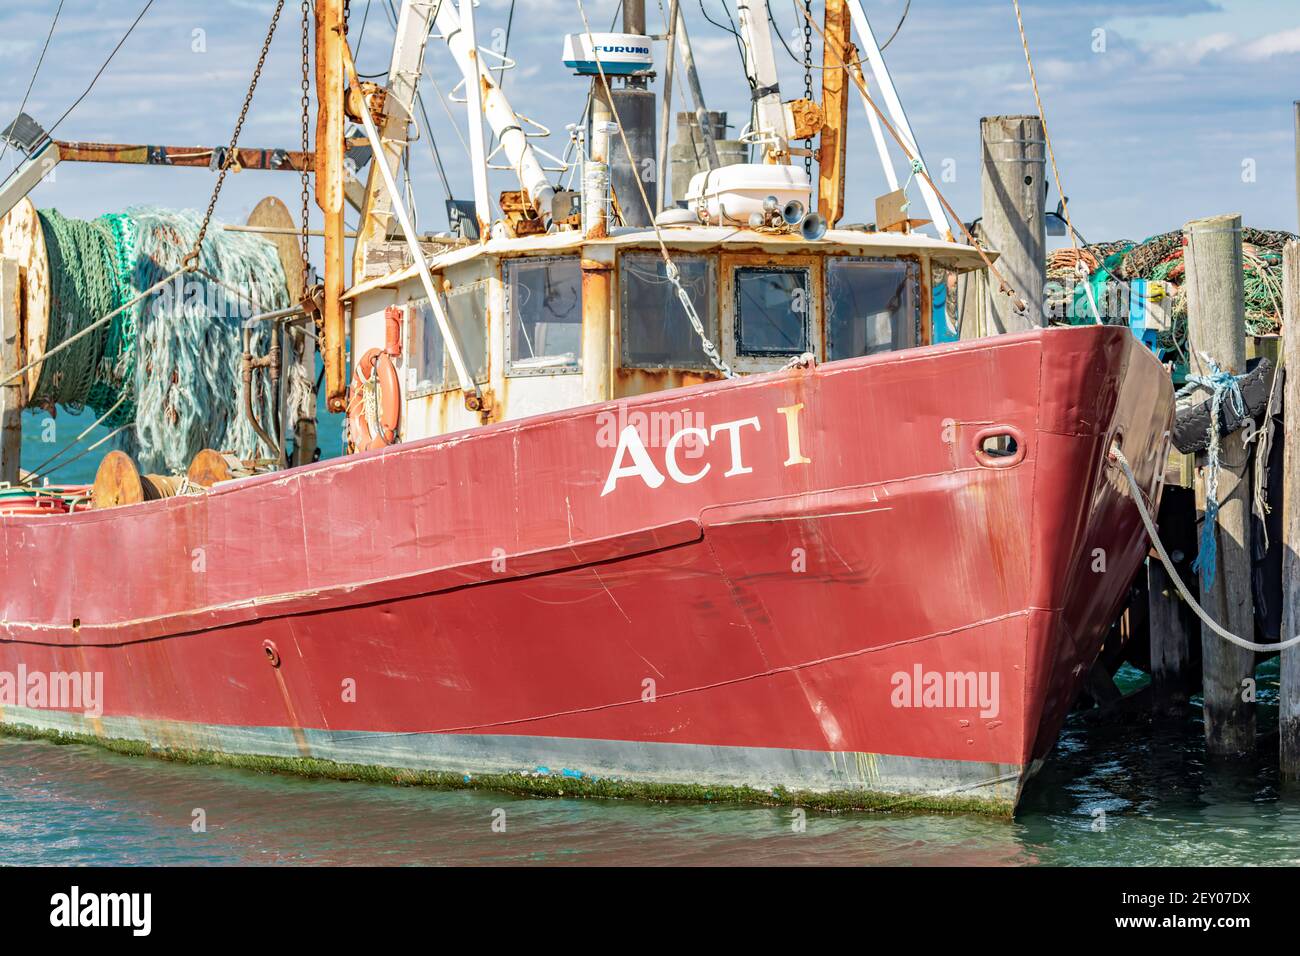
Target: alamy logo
[
  {"x": 946, "y": 689},
  {"x": 57, "y": 690},
  {"x": 103, "y": 909}
]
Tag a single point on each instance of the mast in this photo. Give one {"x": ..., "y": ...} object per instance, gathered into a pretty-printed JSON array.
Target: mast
[
  {"x": 407, "y": 62},
  {"x": 474, "y": 111},
  {"x": 770, "y": 121},
  {"x": 500, "y": 115},
  {"x": 697, "y": 94},
  {"x": 330, "y": 47},
  {"x": 666, "y": 107},
  {"x": 634, "y": 105},
  {"x": 838, "y": 50}
]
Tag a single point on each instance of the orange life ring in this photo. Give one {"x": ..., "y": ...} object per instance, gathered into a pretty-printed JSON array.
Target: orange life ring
[{"x": 375, "y": 370}]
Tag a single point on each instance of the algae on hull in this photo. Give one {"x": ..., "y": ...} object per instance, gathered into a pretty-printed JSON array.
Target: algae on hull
[{"x": 524, "y": 784}]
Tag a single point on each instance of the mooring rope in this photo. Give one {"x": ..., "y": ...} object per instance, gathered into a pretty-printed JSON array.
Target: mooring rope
[{"x": 1139, "y": 499}]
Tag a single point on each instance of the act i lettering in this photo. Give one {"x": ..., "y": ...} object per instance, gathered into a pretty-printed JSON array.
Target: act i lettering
[{"x": 632, "y": 458}]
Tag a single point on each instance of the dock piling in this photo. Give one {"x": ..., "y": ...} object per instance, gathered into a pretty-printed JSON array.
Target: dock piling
[
  {"x": 1014, "y": 195},
  {"x": 1216, "y": 328},
  {"x": 1289, "y": 693},
  {"x": 1170, "y": 648}
]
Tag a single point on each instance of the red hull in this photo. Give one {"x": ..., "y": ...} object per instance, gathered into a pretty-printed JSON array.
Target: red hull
[{"x": 495, "y": 612}]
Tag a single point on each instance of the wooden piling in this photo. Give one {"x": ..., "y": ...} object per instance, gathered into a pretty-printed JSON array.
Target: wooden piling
[
  {"x": 1170, "y": 646},
  {"x": 1289, "y": 693},
  {"x": 1216, "y": 327},
  {"x": 12, "y": 357},
  {"x": 1014, "y": 188}
]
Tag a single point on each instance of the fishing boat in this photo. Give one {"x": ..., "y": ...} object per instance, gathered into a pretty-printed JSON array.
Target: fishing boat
[{"x": 643, "y": 498}]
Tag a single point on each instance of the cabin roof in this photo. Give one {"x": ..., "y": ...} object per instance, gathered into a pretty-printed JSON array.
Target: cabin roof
[{"x": 694, "y": 238}]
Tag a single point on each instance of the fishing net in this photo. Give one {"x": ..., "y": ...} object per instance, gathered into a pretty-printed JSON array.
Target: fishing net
[
  {"x": 169, "y": 366},
  {"x": 1161, "y": 258}
]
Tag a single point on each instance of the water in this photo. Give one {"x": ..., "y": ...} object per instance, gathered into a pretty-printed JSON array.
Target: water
[
  {"x": 44, "y": 435},
  {"x": 1163, "y": 804}
]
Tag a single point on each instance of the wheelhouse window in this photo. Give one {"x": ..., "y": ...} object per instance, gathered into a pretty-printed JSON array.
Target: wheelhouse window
[
  {"x": 657, "y": 333},
  {"x": 544, "y": 306},
  {"x": 871, "y": 306},
  {"x": 467, "y": 311},
  {"x": 428, "y": 356},
  {"x": 772, "y": 310}
]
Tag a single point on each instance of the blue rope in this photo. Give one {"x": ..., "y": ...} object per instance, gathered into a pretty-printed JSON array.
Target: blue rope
[{"x": 1222, "y": 385}]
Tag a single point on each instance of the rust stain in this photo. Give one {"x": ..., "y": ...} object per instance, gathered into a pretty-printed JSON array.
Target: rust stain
[
  {"x": 642, "y": 381},
  {"x": 299, "y": 738}
]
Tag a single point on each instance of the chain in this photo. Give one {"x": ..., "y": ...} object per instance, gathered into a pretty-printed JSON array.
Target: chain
[
  {"x": 232, "y": 156},
  {"x": 710, "y": 350},
  {"x": 807, "y": 79},
  {"x": 306, "y": 109}
]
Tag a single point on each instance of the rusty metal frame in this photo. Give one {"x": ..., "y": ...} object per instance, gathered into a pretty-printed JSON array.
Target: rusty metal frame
[
  {"x": 508, "y": 316},
  {"x": 415, "y": 387},
  {"x": 915, "y": 273},
  {"x": 711, "y": 317},
  {"x": 728, "y": 264},
  {"x": 449, "y": 382},
  {"x": 201, "y": 157}
]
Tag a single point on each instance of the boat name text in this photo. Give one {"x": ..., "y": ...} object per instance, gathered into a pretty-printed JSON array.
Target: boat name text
[{"x": 632, "y": 458}]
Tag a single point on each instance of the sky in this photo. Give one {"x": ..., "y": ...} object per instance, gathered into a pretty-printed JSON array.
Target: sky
[{"x": 1161, "y": 111}]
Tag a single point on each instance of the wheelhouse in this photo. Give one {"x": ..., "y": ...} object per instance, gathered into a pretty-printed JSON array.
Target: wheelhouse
[{"x": 555, "y": 321}]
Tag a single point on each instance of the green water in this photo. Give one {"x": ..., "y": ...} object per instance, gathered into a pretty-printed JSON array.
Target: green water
[{"x": 1163, "y": 804}]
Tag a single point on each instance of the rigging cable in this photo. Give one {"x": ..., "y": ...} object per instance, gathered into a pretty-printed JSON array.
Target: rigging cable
[
  {"x": 49, "y": 134},
  {"x": 361, "y": 33},
  {"x": 1042, "y": 117},
  {"x": 906, "y": 8},
  {"x": 776, "y": 29},
  {"x": 510, "y": 22},
  {"x": 740, "y": 43},
  {"x": 4, "y": 145},
  {"x": 1051, "y": 152},
  {"x": 1117, "y": 457}
]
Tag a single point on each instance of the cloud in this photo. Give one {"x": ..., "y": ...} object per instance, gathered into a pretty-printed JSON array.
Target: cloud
[{"x": 1277, "y": 44}]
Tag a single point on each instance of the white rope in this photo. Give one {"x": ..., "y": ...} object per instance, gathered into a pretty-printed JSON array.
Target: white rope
[
  {"x": 1117, "y": 456},
  {"x": 36, "y": 472}
]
